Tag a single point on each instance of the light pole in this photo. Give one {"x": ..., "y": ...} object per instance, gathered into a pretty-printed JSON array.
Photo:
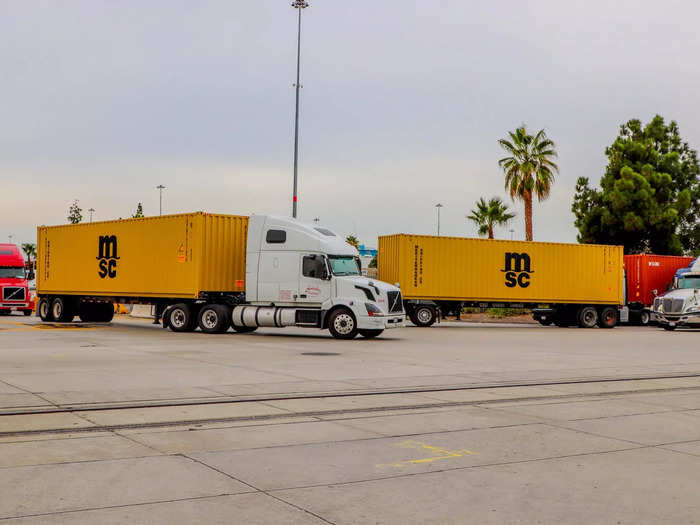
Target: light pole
[
  {"x": 91, "y": 210},
  {"x": 160, "y": 188},
  {"x": 9, "y": 237},
  {"x": 438, "y": 206},
  {"x": 511, "y": 234},
  {"x": 298, "y": 5}
]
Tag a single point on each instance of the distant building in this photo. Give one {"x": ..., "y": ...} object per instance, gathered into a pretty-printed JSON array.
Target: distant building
[{"x": 372, "y": 252}]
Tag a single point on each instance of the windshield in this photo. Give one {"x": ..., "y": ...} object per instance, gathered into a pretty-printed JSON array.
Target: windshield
[
  {"x": 689, "y": 282},
  {"x": 11, "y": 272},
  {"x": 344, "y": 265}
]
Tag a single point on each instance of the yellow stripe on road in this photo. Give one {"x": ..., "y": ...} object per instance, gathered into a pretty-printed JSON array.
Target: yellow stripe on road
[{"x": 441, "y": 453}]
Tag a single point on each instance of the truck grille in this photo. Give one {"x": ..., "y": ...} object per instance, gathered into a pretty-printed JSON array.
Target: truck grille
[
  {"x": 673, "y": 306},
  {"x": 657, "y": 304},
  {"x": 395, "y": 302},
  {"x": 13, "y": 293}
]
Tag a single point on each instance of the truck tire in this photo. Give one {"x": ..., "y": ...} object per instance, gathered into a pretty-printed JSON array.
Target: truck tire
[
  {"x": 213, "y": 319},
  {"x": 61, "y": 310},
  {"x": 587, "y": 317},
  {"x": 43, "y": 310},
  {"x": 545, "y": 321},
  {"x": 244, "y": 329},
  {"x": 27, "y": 313},
  {"x": 607, "y": 317},
  {"x": 423, "y": 315},
  {"x": 105, "y": 312},
  {"x": 180, "y": 318},
  {"x": 370, "y": 334},
  {"x": 644, "y": 317},
  {"x": 342, "y": 324}
]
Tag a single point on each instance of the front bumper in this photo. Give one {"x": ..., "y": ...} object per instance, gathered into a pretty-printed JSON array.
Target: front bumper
[
  {"x": 382, "y": 322},
  {"x": 686, "y": 319},
  {"x": 15, "y": 307}
]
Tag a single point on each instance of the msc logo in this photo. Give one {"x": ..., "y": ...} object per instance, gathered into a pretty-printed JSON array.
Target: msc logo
[
  {"x": 517, "y": 270},
  {"x": 107, "y": 256}
]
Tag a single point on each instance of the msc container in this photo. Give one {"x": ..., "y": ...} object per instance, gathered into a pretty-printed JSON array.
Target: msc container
[
  {"x": 174, "y": 256},
  {"x": 649, "y": 275},
  {"x": 436, "y": 272}
]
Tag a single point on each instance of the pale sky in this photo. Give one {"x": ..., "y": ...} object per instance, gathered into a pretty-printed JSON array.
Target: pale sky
[{"x": 402, "y": 105}]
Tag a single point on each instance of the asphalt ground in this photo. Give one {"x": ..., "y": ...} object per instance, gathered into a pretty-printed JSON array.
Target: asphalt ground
[{"x": 458, "y": 423}]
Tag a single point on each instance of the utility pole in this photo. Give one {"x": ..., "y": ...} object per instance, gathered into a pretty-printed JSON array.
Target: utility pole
[
  {"x": 438, "y": 206},
  {"x": 9, "y": 237},
  {"x": 160, "y": 188},
  {"x": 298, "y": 5},
  {"x": 91, "y": 210}
]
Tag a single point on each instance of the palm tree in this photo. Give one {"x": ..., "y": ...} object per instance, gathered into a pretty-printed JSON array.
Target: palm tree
[
  {"x": 529, "y": 169},
  {"x": 29, "y": 250},
  {"x": 351, "y": 239},
  {"x": 490, "y": 214}
]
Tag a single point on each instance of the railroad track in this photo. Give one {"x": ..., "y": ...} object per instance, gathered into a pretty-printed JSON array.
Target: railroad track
[{"x": 86, "y": 408}]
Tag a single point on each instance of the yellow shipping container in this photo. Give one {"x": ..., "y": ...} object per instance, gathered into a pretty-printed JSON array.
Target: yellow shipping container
[
  {"x": 496, "y": 271},
  {"x": 166, "y": 256}
]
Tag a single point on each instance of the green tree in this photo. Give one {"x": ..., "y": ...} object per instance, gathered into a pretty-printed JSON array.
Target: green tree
[
  {"x": 373, "y": 262},
  {"x": 351, "y": 239},
  {"x": 649, "y": 196},
  {"x": 490, "y": 214},
  {"x": 29, "y": 250},
  {"x": 75, "y": 213},
  {"x": 139, "y": 211},
  {"x": 529, "y": 169}
]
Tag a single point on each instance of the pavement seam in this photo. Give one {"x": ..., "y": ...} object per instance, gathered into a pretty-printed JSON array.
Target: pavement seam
[
  {"x": 156, "y": 502},
  {"x": 258, "y": 490}
]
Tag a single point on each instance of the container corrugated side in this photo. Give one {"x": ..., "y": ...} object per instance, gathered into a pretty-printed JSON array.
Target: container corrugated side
[
  {"x": 647, "y": 273},
  {"x": 223, "y": 253},
  {"x": 453, "y": 268},
  {"x": 147, "y": 257}
]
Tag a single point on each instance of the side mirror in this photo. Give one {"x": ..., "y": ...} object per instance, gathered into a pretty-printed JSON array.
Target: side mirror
[{"x": 655, "y": 292}]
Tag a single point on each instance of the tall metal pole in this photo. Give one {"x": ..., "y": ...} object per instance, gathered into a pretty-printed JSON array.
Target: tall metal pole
[
  {"x": 91, "y": 210},
  {"x": 299, "y": 5},
  {"x": 160, "y": 188},
  {"x": 438, "y": 206}
]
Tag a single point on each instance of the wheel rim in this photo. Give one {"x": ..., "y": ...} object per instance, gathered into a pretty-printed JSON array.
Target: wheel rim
[
  {"x": 344, "y": 324},
  {"x": 210, "y": 319},
  {"x": 57, "y": 310},
  {"x": 177, "y": 318},
  {"x": 609, "y": 317},
  {"x": 589, "y": 317},
  {"x": 44, "y": 309},
  {"x": 424, "y": 315},
  {"x": 645, "y": 317}
]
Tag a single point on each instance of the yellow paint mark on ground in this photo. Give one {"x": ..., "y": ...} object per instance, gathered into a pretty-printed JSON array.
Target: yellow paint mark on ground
[
  {"x": 438, "y": 453},
  {"x": 26, "y": 327}
]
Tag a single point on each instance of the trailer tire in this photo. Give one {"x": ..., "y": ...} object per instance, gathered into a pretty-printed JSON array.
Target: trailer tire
[
  {"x": 61, "y": 310},
  {"x": 423, "y": 315},
  {"x": 43, "y": 310},
  {"x": 607, "y": 317},
  {"x": 105, "y": 312},
  {"x": 342, "y": 324},
  {"x": 180, "y": 318},
  {"x": 587, "y": 317},
  {"x": 370, "y": 334},
  {"x": 213, "y": 319}
]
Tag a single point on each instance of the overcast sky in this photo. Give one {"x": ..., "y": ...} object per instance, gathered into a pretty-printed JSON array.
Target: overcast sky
[{"x": 402, "y": 105}]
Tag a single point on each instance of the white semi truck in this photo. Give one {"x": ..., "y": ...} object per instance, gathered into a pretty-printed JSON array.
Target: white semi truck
[
  {"x": 681, "y": 305},
  {"x": 213, "y": 272}
]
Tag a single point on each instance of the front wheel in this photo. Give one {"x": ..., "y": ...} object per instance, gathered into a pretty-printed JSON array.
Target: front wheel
[
  {"x": 342, "y": 324},
  {"x": 27, "y": 313},
  {"x": 370, "y": 334},
  {"x": 644, "y": 318}
]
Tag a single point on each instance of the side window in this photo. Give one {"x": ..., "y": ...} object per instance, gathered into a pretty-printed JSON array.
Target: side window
[
  {"x": 276, "y": 236},
  {"x": 313, "y": 266}
]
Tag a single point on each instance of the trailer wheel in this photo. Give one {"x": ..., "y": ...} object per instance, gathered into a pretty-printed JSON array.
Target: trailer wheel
[
  {"x": 370, "y": 334},
  {"x": 62, "y": 310},
  {"x": 43, "y": 310},
  {"x": 105, "y": 312},
  {"x": 342, "y": 324},
  {"x": 608, "y": 317},
  {"x": 423, "y": 315},
  {"x": 213, "y": 319},
  {"x": 587, "y": 317},
  {"x": 180, "y": 318}
]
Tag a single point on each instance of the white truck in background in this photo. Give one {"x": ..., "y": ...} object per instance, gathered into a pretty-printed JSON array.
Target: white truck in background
[{"x": 681, "y": 305}]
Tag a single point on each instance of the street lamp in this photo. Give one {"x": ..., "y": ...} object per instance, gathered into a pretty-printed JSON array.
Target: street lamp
[
  {"x": 91, "y": 210},
  {"x": 438, "y": 206},
  {"x": 298, "y": 5},
  {"x": 160, "y": 188}
]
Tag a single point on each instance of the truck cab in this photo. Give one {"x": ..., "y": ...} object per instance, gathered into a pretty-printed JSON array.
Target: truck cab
[
  {"x": 311, "y": 277},
  {"x": 681, "y": 305},
  {"x": 14, "y": 290}
]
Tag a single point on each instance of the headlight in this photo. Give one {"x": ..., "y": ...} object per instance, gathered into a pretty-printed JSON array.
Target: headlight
[
  {"x": 695, "y": 308},
  {"x": 373, "y": 310}
]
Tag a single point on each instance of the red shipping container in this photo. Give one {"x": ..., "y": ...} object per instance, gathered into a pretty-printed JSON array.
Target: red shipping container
[{"x": 648, "y": 272}]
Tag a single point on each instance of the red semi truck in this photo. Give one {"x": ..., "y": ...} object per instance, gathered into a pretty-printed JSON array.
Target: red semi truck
[
  {"x": 14, "y": 289},
  {"x": 649, "y": 275}
]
